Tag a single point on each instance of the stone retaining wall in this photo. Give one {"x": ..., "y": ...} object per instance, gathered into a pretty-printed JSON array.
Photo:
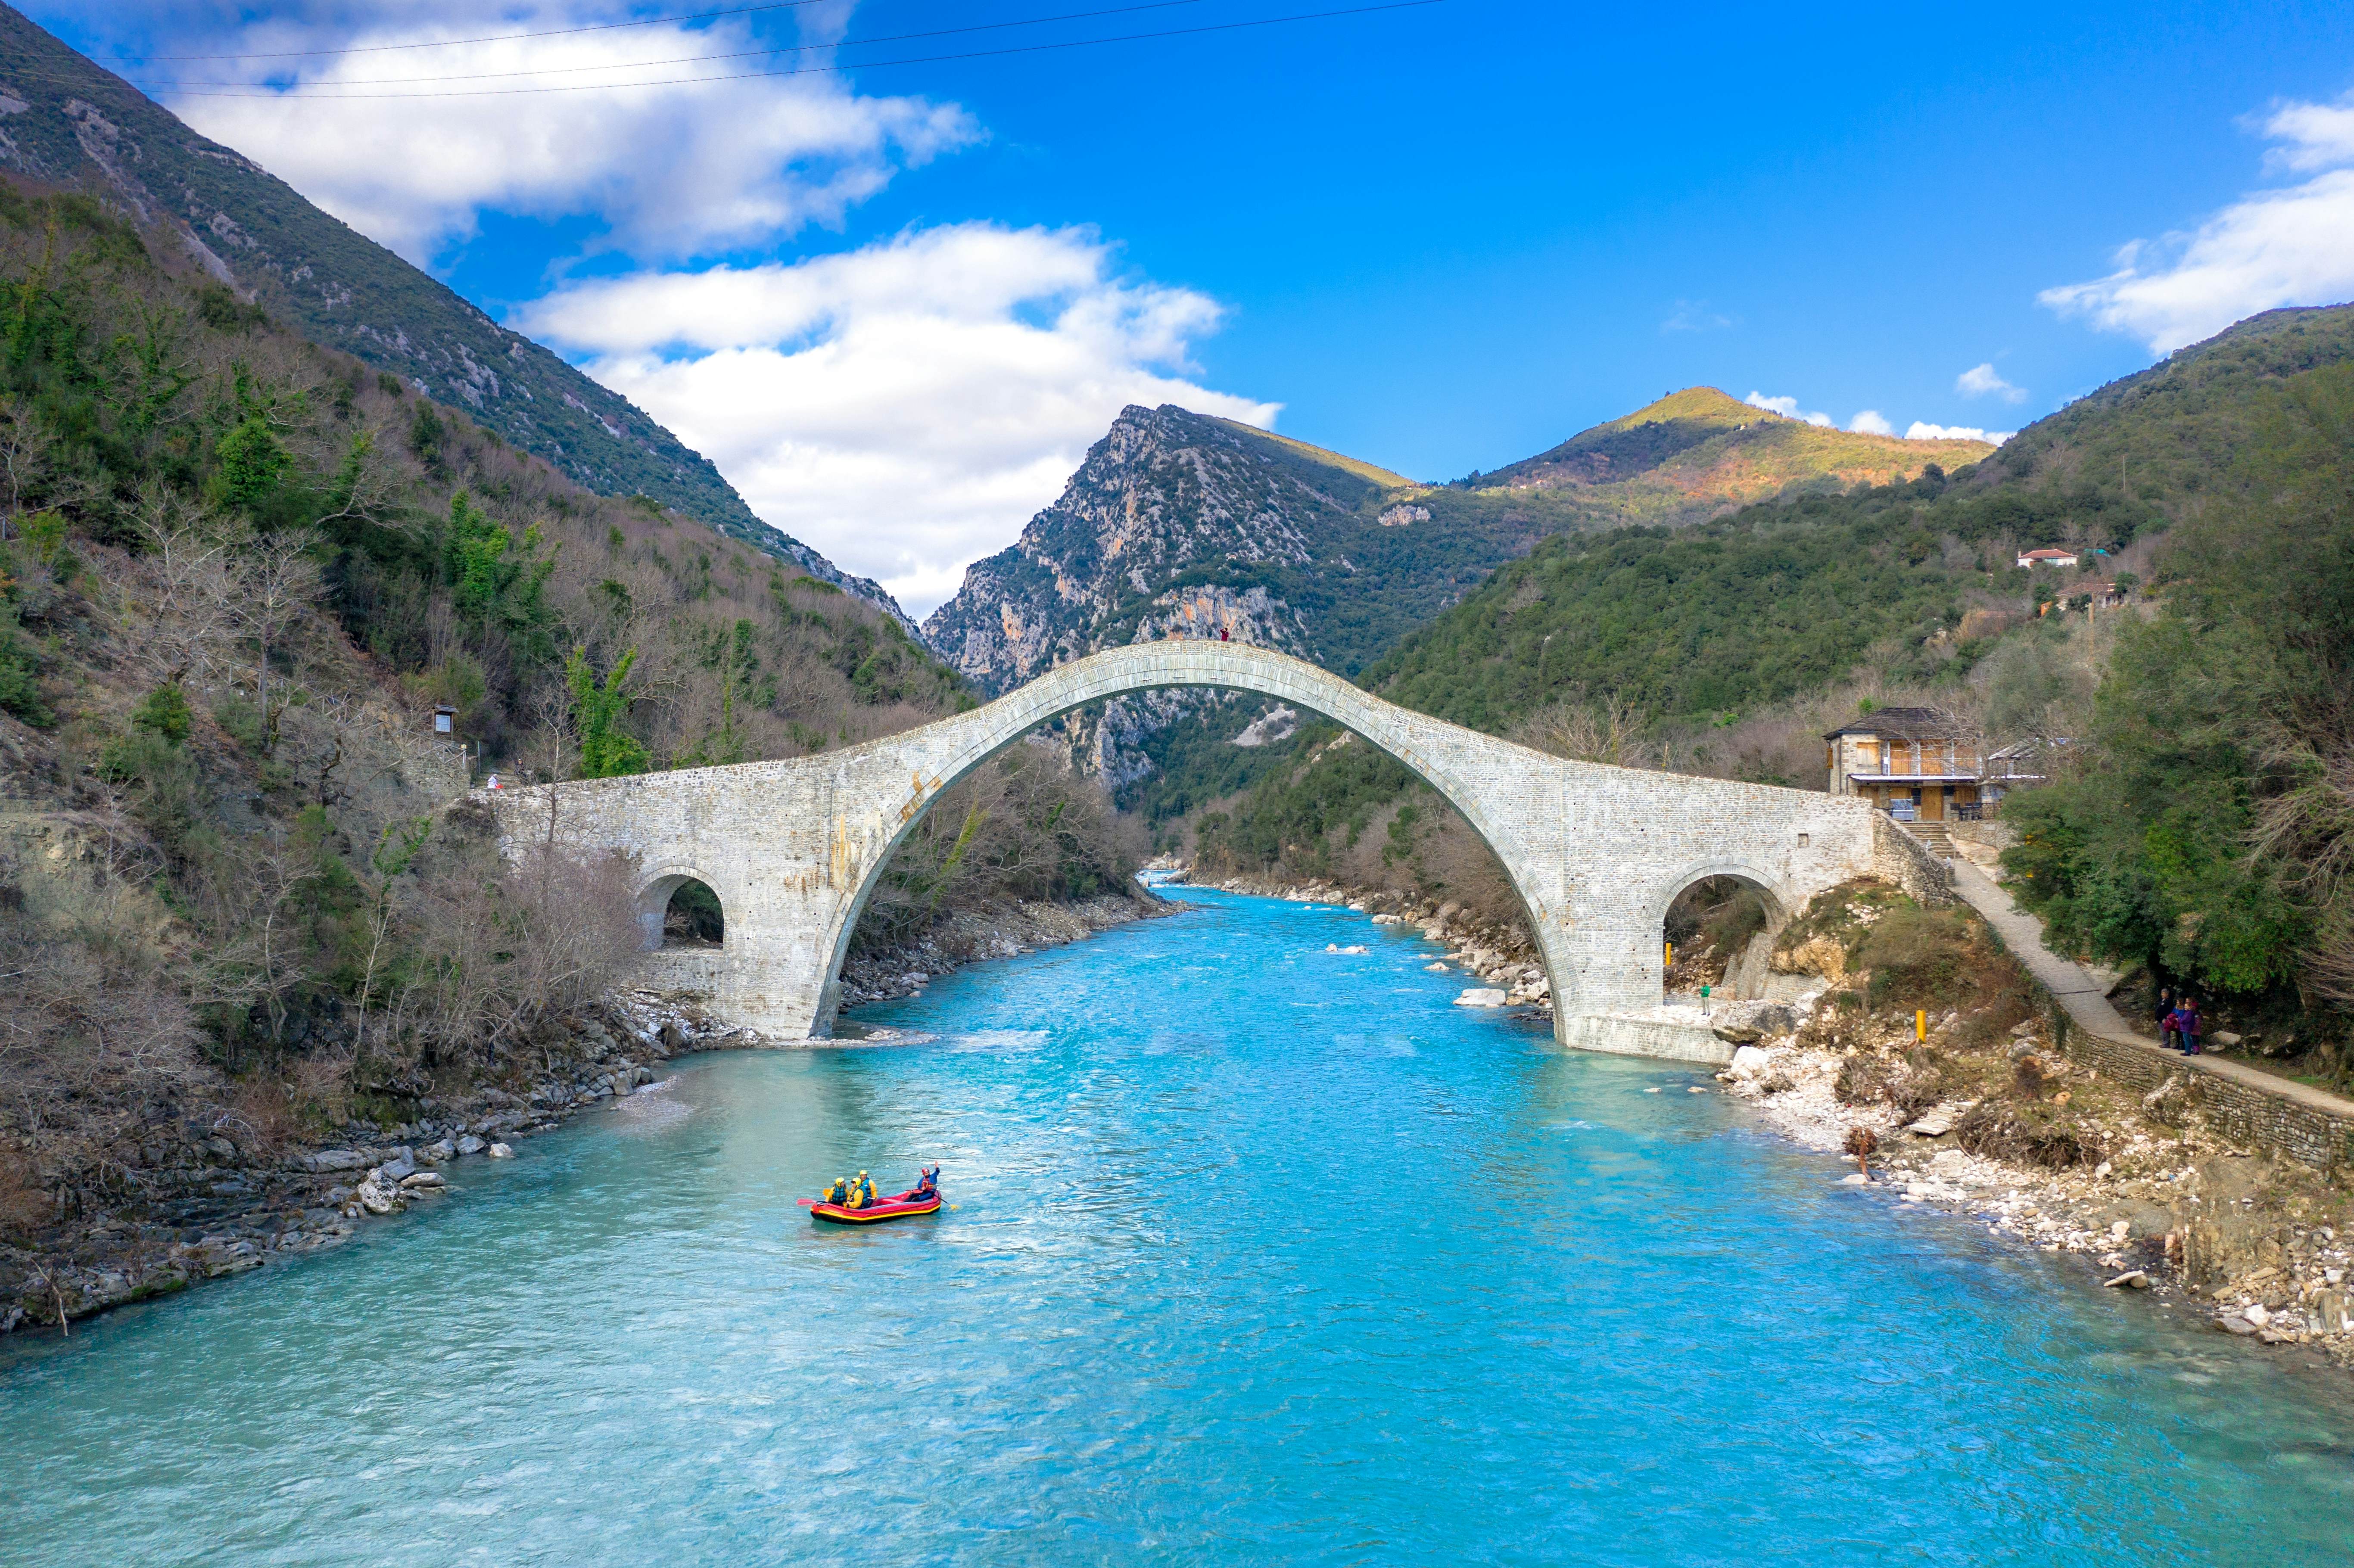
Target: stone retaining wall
[
  {"x": 1898, "y": 857},
  {"x": 2244, "y": 1113}
]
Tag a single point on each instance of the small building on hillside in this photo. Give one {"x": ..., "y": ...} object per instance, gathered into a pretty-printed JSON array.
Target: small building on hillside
[
  {"x": 1923, "y": 765},
  {"x": 2050, "y": 555},
  {"x": 1916, "y": 764}
]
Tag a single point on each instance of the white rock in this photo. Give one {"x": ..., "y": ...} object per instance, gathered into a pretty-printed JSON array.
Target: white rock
[
  {"x": 1858, "y": 1180},
  {"x": 2132, "y": 1279},
  {"x": 1480, "y": 998},
  {"x": 421, "y": 1179},
  {"x": 1435, "y": 969},
  {"x": 500, "y": 1152},
  {"x": 2257, "y": 1314},
  {"x": 1750, "y": 1060}
]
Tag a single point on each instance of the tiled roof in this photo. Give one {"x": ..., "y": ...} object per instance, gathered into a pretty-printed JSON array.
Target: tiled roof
[{"x": 1905, "y": 724}]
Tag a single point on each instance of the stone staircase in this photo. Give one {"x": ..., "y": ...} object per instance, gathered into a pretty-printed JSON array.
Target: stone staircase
[{"x": 1934, "y": 834}]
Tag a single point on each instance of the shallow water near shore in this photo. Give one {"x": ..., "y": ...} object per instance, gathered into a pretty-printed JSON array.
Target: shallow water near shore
[{"x": 1259, "y": 1252}]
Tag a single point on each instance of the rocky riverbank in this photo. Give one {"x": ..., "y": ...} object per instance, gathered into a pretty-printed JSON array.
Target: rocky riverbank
[
  {"x": 1497, "y": 954},
  {"x": 2154, "y": 1201},
  {"x": 1001, "y": 931},
  {"x": 209, "y": 1199},
  {"x": 1918, "y": 1051}
]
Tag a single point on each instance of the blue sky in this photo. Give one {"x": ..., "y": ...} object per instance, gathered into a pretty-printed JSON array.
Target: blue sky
[{"x": 895, "y": 304}]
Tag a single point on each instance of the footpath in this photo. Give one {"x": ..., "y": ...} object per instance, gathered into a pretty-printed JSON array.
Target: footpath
[{"x": 2307, "y": 1123}]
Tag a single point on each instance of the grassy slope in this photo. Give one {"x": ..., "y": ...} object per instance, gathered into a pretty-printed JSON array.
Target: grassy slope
[{"x": 1699, "y": 450}]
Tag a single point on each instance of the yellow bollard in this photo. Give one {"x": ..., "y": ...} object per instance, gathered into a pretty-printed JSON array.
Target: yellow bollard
[
  {"x": 1921, "y": 1025},
  {"x": 1671, "y": 955}
]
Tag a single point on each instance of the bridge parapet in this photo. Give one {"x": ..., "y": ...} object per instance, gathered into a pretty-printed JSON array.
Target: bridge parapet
[{"x": 794, "y": 848}]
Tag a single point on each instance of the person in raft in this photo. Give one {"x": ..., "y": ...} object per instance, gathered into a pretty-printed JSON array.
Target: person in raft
[
  {"x": 928, "y": 1184},
  {"x": 862, "y": 1192},
  {"x": 838, "y": 1194}
]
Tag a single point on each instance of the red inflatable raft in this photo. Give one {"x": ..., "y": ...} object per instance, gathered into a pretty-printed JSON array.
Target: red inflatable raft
[
  {"x": 920, "y": 1200},
  {"x": 903, "y": 1206}
]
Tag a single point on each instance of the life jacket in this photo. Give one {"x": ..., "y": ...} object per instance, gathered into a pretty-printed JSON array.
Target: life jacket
[{"x": 866, "y": 1193}]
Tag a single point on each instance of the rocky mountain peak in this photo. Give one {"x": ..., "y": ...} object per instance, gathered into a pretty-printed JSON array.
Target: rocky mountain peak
[{"x": 1155, "y": 535}]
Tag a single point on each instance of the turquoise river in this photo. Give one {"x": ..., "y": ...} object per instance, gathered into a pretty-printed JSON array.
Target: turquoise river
[{"x": 1260, "y": 1253}]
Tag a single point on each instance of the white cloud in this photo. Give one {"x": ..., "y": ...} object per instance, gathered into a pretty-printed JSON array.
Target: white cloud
[
  {"x": 1920, "y": 432},
  {"x": 1693, "y": 315},
  {"x": 1870, "y": 423},
  {"x": 666, "y": 170},
  {"x": 905, "y": 407},
  {"x": 2293, "y": 246},
  {"x": 1982, "y": 381},
  {"x": 1785, "y": 407}
]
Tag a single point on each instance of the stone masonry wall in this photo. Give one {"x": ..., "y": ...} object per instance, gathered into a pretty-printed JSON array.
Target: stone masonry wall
[
  {"x": 1898, "y": 857},
  {"x": 2244, "y": 1113}
]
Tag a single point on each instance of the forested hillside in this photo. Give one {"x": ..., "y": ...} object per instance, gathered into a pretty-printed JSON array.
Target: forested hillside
[
  {"x": 69, "y": 122},
  {"x": 2210, "y": 831},
  {"x": 236, "y": 574}
]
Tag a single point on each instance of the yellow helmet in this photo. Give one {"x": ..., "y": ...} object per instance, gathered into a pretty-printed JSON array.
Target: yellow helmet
[{"x": 862, "y": 1172}]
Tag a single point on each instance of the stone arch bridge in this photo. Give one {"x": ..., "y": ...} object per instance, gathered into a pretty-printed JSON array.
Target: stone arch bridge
[{"x": 793, "y": 849}]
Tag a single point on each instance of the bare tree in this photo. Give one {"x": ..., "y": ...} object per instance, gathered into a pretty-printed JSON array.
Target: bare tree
[
  {"x": 277, "y": 582},
  {"x": 177, "y": 597}
]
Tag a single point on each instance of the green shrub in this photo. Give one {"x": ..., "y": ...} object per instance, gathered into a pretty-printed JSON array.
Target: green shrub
[{"x": 163, "y": 712}]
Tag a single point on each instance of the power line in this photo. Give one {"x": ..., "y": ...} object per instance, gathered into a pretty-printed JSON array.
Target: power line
[
  {"x": 497, "y": 39},
  {"x": 823, "y": 70},
  {"x": 701, "y": 59}
]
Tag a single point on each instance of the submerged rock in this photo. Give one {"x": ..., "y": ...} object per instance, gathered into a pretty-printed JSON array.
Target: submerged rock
[{"x": 1480, "y": 998}]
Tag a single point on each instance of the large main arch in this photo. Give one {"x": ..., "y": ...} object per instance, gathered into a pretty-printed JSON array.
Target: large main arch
[{"x": 793, "y": 849}]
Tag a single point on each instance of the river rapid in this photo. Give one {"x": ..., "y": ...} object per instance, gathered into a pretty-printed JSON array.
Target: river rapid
[{"x": 1259, "y": 1252}]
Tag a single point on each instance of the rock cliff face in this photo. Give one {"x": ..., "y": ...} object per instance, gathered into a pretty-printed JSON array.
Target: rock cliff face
[
  {"x": 1178, "y": 525},
  {"x": 1152, "y": 537},
  {"x": 64, "y": 121}
]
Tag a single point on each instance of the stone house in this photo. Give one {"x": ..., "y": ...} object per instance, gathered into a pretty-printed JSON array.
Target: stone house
[
  {"x": 2047, "y": 557},
  {"x": 1916, "y": 764},
  {"x": 1923, "y": 765}
]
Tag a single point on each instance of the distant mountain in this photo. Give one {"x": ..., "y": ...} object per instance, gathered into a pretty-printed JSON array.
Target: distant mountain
[
  {"x": 1700, "y": 451},
  {"x": 1178, "y": 522},
  {"x": 64, "y": 121}
]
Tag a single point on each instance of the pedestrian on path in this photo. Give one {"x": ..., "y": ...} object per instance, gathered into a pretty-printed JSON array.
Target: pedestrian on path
[
  {"x": 2166, "y": 1001},
  {"x": 2186, "y": 1025}
]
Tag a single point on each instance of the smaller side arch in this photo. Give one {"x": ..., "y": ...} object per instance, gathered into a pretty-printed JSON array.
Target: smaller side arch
[
  {"x": 1781, "y": 904},
  {"x": 652, "y": 904},
  {"x": 1782, "y": 899}
]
